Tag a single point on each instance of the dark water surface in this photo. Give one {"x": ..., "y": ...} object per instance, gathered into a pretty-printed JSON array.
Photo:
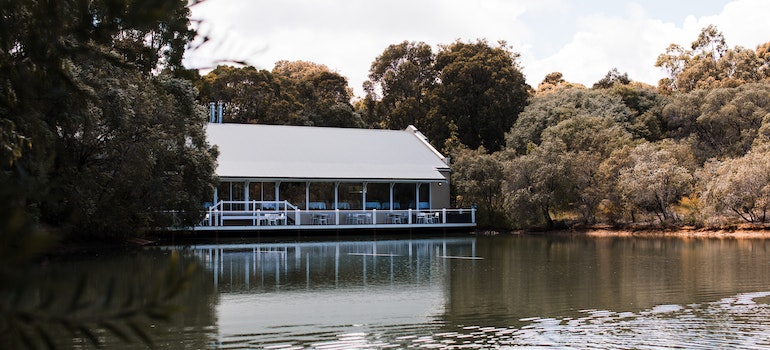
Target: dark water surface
[{"x": 460, "y": 292}]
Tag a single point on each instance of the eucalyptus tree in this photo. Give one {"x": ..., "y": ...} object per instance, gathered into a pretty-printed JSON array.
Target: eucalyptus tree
[
  {"x": 100, "y": 141},
  {"x": 325, "y": 95},
  {"x": 400, "y": 82},
  {"x": 549, "y": 109},
  {"x": 477, "y": 179},
  {"x": 710, "y": 63},
  {"x": 582, "y": 144},
  {"x": 657, "y": 177},
  {"x": 737, "y": 186},
  {"x": 253, "y": 95},
  {"x": 482, "y": 90}
]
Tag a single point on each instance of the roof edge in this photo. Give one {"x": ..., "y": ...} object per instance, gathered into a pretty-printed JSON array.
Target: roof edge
[{"x": 420, "y": 136}]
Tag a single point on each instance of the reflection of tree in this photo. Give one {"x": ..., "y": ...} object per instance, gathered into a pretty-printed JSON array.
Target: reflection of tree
[
  {"x": 87, "y": 301},
  {"x": 557, "y": 277}
]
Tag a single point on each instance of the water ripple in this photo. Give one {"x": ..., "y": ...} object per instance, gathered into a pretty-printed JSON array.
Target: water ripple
[{"x": 738, "y": 322}]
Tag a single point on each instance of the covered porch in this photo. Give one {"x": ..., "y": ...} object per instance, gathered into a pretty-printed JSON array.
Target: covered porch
[{"x": 323, "y": 205}]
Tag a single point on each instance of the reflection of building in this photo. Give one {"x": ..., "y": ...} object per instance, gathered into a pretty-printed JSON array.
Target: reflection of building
[
  {"x": 285, "y": 266},
  {"x": 275, "y": 177}
]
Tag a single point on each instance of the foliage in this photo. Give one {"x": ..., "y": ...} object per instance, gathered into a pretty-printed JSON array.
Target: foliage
[
  {"x": 658, "y": 176},
  {"x": 612, "y": 78},
  {"x": 740, "y": 186},
  {"x": 711, "y": 64},
  {"x": 100, "y": 142},
  {"x": 404, "y": 74},
  {"x": 547, "y": 110},
  {"x": 477, "y": 180},
  {"x": 482, "y": 91},
  {"x": 31, "y": 317},
  {"x": 476, "y": 87},
  {"x": 294, "y": 93}
]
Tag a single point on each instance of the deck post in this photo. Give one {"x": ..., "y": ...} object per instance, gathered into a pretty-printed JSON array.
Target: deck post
[
  {"x": 443, "y": 215},
  {"x": 374, "y": 216},
  {"x": 297, "y": 217},
  {"x": 409, "y": 218},
  {"x": 336, "y": 216},
  {"x": 473, "y": 215}
]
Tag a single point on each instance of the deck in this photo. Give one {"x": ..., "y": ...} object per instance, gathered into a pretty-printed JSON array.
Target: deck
[{"x": 280, "y": 216}]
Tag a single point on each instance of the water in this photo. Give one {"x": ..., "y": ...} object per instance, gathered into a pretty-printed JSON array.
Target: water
[{"x": 458, "y": 292}]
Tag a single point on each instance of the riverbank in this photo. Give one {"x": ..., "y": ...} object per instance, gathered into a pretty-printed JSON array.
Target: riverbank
[{"x": 745, "y": 231}]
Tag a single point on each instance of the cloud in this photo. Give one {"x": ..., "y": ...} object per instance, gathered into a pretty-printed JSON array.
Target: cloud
[{"x": 582, "y": 40}]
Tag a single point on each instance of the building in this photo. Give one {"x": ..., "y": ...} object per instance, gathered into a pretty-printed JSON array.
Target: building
[{"x": 276, "y": 177}]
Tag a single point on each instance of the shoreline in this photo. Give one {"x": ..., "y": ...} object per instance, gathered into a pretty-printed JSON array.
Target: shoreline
[{"x": 735, "y": 232}]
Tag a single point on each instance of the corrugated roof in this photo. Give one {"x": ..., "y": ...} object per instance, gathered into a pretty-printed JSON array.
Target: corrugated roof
[{"x": 308, "y": 153}]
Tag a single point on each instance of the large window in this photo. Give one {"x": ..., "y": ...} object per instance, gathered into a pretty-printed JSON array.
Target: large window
[
  {"x": 403, "y": 196},
  {"x": 294, "y": 192},
  {"x": 350, "y": 195},
  {"x": 377, "y": 196},
  {"x": 321, "y": 195}
]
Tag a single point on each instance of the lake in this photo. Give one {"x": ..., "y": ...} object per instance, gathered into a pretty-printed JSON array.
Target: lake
[{"x": 452, "y": 292}]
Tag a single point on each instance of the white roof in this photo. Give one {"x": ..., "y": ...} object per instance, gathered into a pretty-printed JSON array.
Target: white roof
[{"x": 275, "y": 152}]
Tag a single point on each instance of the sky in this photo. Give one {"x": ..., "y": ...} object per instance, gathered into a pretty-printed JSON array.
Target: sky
[{"x": 581, "y": 39}]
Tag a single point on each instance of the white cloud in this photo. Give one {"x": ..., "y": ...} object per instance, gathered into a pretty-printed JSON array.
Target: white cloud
[{"x": 581, "y": 40}]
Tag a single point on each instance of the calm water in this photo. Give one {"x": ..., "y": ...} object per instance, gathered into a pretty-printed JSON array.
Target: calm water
[{"x": 459, "y": 292}]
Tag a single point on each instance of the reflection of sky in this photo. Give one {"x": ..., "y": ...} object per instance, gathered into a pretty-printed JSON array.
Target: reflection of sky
[{"x": 294, "y": 289}]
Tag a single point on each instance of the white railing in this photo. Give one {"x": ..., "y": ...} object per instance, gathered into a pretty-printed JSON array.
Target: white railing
[{"x": 283, "y": 213}]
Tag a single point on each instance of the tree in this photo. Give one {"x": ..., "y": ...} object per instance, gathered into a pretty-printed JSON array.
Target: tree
[
  {"x": 740, "y": 186},
  {"x": 477, "y": 178},
  {"x": 711, "y": 64},
  {"x": 481, "y": 90},
  {"x": 324, "y": 95},
  {"x": 97, "y": 133},
  {"x": 535, "y": 188},
  {"x": 658, "y": 176},
  {"x": 582, "y": 144},
  {"x": 404, "y": 75},
  {"x": 253, "y": 96},
  {"x": 613, "y": 77},
  {"x": 546, "y": 110}
]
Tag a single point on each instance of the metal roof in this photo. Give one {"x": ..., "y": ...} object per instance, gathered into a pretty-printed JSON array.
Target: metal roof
[{"x": 278, "y": 152}]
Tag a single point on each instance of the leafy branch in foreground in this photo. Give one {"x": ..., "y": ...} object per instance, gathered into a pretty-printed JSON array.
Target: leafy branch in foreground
[{"x": 32, "y": 318}]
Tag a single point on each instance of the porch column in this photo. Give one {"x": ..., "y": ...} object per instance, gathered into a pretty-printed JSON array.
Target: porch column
[
  {"x": 336, "y": 195},
  {"x": 277, "y": 191},
  {"x": 392, "y": 184},
  {"x": 417, "y": 196},
  {"x": 216, "y": 195},
  {"x": 246, "y": 194},
  {"x": 363, "y": 196},
  {"x": 307, "y": 195}
]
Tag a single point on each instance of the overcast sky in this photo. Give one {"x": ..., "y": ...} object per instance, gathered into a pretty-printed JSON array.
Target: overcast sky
[{"x": 581, "y": 39}]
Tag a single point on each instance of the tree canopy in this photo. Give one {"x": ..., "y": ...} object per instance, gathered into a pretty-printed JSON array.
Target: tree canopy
[
  {"x": 100, "y": 136},
  {"x": 294, "y": 93}
]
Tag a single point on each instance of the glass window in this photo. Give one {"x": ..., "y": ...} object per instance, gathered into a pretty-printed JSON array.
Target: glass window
[
  {"x": 321, "y": 195},
  {"x": 294, "y": 193},
  {"x": 377, "y": 196},
  {"x": 350, "y": 195},
  {"x": 403, "y": 196}
]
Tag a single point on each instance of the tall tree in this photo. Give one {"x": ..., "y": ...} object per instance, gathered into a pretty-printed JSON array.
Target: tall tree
[
  {"x": 253, "y": 96},
  {"x": 324, "y": 95},
  {"x": 97, "y": 134},
  {"x": 482, "y": 90},
  {"x": 404, "y": 75},
  {"x": 711, "y": 64}
]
